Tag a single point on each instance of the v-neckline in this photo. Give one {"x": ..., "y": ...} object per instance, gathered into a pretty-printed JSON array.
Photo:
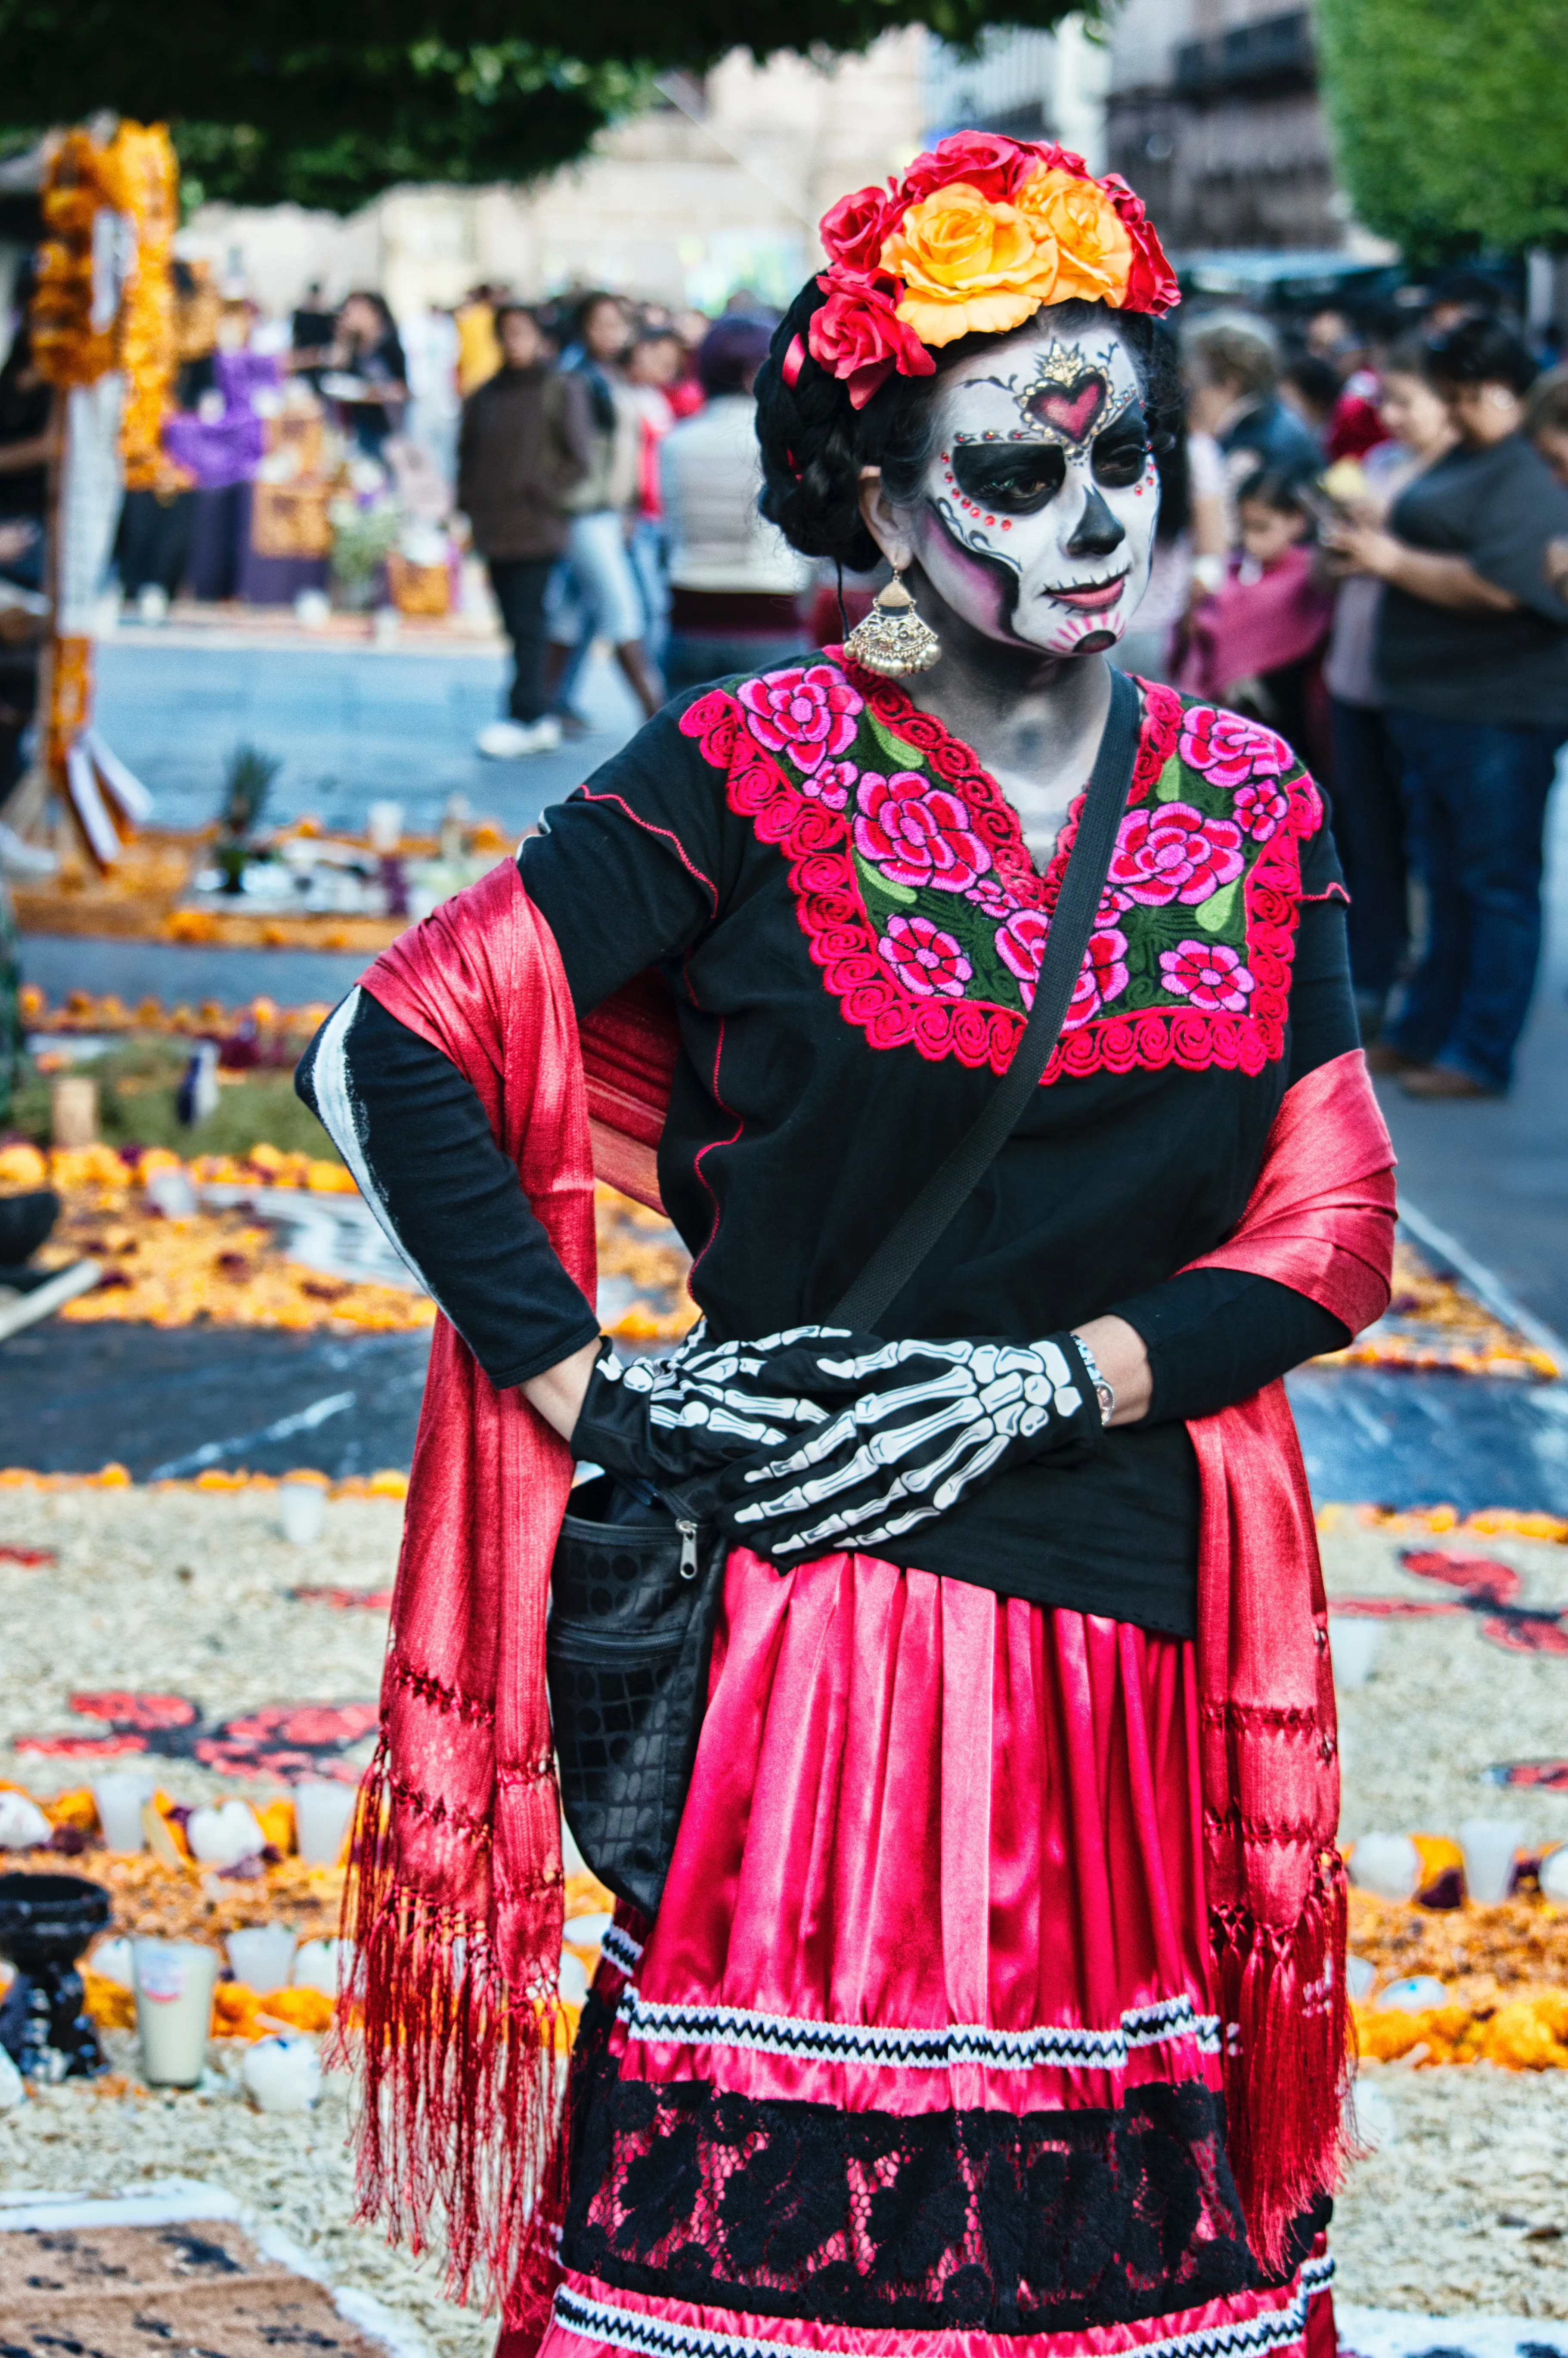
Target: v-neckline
[{"x": 963, "y": 767}]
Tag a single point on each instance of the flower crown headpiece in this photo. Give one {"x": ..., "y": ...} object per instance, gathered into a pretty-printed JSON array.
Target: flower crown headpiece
[{"x": 978, "y": 234}]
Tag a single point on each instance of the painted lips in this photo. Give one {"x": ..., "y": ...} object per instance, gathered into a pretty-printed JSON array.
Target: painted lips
[{"x": 1093, "y": 598}]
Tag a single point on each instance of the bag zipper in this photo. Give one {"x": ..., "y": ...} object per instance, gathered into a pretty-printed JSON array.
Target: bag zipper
[{"x": 687, "y": 1530}]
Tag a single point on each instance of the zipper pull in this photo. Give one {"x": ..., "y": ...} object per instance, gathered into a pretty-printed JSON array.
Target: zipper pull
[{"x": 688, "y": 1549}]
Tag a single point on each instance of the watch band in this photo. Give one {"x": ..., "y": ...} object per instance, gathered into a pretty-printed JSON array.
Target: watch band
[{"x": 1105, "y": 1393}]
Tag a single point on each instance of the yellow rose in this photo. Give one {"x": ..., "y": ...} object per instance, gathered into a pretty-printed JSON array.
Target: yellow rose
[
  {"x": 1094, "y": 250},
  {"x": 968, "y": 263}
]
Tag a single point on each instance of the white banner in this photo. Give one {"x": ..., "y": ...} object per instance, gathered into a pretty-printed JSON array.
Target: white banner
[{"x": 89, "y": 494}]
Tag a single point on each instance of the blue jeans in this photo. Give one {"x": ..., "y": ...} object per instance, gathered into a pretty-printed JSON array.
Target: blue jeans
[{"x": 1476, "y": 795}]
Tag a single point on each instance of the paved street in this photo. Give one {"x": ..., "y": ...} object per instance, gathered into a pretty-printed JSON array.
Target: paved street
[
  {"x": 358, "y": 722},
  {"x": 351, "y": 723}
]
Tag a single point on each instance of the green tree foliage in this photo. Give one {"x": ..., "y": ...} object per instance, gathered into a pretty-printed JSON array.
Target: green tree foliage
[
  {"x": 325, "y": 105},
  {"x": 1449, "y": 117}
]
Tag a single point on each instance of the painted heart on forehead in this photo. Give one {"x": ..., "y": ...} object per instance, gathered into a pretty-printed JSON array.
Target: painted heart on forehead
[
  {"x": 1072, "y": 410},
  {"x": 1040, "y": 499}
]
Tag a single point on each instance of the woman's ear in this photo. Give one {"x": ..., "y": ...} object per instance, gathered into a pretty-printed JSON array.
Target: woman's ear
[{"x": 886, "y": 524}]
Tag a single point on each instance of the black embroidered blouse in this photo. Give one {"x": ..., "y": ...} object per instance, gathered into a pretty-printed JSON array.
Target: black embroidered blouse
[{"x": 842, "y": 900}]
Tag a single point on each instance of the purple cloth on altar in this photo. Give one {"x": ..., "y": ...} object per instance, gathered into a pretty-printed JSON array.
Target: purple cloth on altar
[{"x": 229, "y": 449}]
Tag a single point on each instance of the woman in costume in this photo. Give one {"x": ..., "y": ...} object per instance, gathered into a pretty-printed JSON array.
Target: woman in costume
[{"x": 995, "y": 1990}]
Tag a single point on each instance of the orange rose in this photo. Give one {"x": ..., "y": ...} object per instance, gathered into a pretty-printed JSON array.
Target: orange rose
[
  {"x": 968, "y": 263},
  {"x": 1094, "y": 250}
]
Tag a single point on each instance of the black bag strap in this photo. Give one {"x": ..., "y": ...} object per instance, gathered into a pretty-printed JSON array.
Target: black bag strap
[{"x": 901, "y": 1253}]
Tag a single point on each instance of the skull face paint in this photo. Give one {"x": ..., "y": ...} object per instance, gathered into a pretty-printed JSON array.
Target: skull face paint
[{"x": 1037, "y": 517}]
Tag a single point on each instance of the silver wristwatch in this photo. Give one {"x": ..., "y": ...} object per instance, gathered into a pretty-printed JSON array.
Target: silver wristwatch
[{"x": 1105, "y": 1393}]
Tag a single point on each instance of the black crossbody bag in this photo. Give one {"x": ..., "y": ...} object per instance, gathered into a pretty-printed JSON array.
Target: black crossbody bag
[{"x": 633, "y": 1604}]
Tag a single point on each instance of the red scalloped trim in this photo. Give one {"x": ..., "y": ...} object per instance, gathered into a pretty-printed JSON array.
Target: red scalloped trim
[{"x": 815, "y": 843}]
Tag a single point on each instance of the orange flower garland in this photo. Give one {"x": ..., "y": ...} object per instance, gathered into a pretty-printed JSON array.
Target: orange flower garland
[{"x": 148, "y": 353}]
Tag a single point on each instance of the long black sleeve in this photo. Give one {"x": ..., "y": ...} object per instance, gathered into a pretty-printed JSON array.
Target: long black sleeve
[
  {"x": 413, "y": 1132},
  {"x": 1215, "y": 1335}
]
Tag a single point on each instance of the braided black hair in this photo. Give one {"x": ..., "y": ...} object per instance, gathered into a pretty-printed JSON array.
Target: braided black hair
[{"x": 814, "y": 443}]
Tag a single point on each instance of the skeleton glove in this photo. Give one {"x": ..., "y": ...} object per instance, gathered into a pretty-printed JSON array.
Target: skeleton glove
[
  {"x": 665, "y": 1424},
  {"x": 904, "y": 1430}
]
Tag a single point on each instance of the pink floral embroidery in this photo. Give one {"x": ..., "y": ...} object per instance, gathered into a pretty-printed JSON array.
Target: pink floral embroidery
[
  {"x": 1261, "y": 806},
  {"x": 1209, "y": 974},
  {"x": 1169, "y": 851},
  {"x": 926, "y": 960},
  {"x": 810, "y": 714},
  {"x": 832, "y": 784},
  {"x": 991, "y": 896},
  {"x": 917, "y": 833},
  {"x": 1021, "y": 946},
  {"x": 1229, "y": 750},
  {"x": 1102, "y": 977}
]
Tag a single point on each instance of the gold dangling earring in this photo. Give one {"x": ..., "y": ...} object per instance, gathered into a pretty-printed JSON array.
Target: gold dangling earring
[{"x": 893, "y": 640}]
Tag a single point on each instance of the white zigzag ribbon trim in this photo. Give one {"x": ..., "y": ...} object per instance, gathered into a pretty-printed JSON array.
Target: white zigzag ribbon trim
[
  {"x": 936, "y": 2048},
  {"x": 660, "y": 2337}
]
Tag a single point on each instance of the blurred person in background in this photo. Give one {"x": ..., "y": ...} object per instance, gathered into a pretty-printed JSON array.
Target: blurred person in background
[
  {"x": 1190, "y": 540},
  {"x": 219, "y": 441},
  {"x": 369, "y": 375},
  {"x": 1355, "y": 424},
  {"x": 1473, "y": 659},
  {"x": 479, "y": 342},
  {"x": 595, "y": 595},
  {"x": 312, "y": 327},
  {"x": 1309, "y": 387},
  {"x": 1233, "y": 361},
  {"x": 685, "y": 393},
  {"x": 525, "y": 442},
  {"x": 1257, "y": 643},
  {"x": 735, "y": 582},
  {"x": 1369, "y": 807},
  {"x": 1546, "y": 421},
  {"x": 654, "y": 364}
]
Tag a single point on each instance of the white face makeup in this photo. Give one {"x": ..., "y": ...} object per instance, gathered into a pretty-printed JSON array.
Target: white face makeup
[{"x": 1037, "y": 519}]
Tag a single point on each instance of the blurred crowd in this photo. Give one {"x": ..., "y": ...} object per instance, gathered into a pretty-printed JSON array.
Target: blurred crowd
[{"x": 1363, "y": 544}]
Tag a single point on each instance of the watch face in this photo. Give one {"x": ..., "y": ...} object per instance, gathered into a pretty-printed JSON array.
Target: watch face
[{"x": 1107, "y": 1399}]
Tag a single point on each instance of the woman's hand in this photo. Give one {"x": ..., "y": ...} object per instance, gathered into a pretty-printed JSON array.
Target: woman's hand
[
  {"x": 559, "y": 1393},
  {"x": 1438, "y": 578},
  {"x": 1123, "y": 1360},
  {"x": 907, "y": 1429}
]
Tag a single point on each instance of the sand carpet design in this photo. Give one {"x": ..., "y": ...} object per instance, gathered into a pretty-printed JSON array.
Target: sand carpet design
[{"x": 88, "y": 2282}]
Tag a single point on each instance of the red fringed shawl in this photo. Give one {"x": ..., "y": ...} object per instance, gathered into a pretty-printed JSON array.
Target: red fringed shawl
[{"x": 456, "y": 1899}]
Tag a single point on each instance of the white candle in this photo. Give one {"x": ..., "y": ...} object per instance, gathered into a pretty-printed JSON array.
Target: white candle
[
  {"x": 1355, "y": 1642},
  {"x": 120, "y": 1799},
  {"x": 1389, "y": 1865},
  {"x": 302, "y": 1510},
  {"x": 1488, "y": 1844},
  {"x": 322, "y": 1809},
  {"x": 222, "y": 1835},
  {"x": 262, "y": 1956}
]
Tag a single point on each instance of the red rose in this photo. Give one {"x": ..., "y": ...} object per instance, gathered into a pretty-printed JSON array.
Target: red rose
[
  {"x": 1228, "y": 751},
  {"x": 1152, "y": 283},
  {"x": 857, "y": 336},
  {"x": 987, "y": 161},
  {"x": 853, "y": 231},
  {"x": 1209, "y": 974}
]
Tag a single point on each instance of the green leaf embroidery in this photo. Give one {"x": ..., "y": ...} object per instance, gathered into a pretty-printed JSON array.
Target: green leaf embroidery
[
  {"x": 1169, "y": 786},
  {"x": 906, "y": 756},
  {"x": 1214, "y": 915},
  {"x": 875, "y": 887}
]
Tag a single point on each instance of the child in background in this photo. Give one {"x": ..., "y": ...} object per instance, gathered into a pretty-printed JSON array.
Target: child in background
[{"x": 1257, "y": 642}]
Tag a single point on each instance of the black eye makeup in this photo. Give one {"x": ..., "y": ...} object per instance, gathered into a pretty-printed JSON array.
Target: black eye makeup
[
  {"x": 1121, "y": 453},
  {"x": 1009, "y": 478}
]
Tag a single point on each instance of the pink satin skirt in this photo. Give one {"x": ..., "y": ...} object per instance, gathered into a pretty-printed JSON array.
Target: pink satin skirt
[{"x": 921, "y": 2047}]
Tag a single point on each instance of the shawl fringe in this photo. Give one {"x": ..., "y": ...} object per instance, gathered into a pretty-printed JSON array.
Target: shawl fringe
[
  {"x": 458, "y": 2124},
  {"x": 1287, "y": 2060}
]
